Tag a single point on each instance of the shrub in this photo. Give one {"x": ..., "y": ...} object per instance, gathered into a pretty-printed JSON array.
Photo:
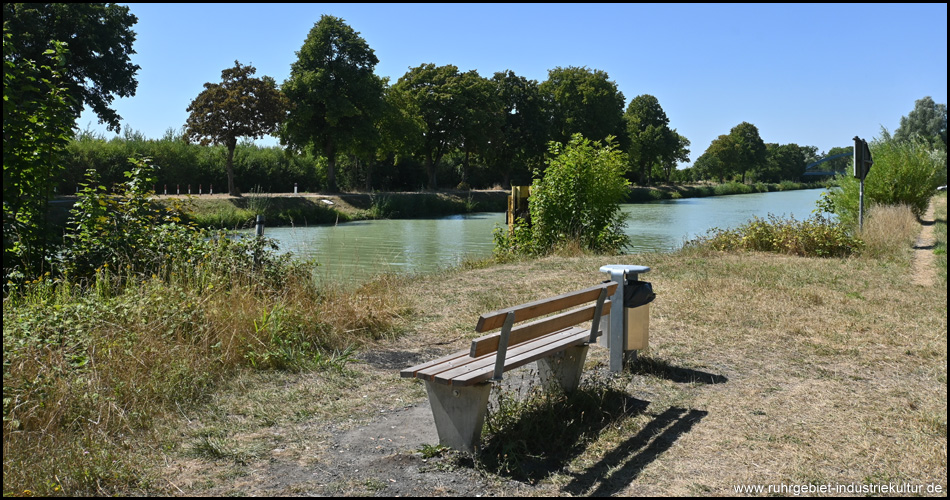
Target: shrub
[
  {"x": 904, "y": 172},
  {"x": 576, "y": 201},
  {"x": 152, "y": 315},
  {"x": 814, "y": 237}
]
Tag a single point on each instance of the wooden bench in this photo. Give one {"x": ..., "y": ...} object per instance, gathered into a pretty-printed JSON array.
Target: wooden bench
[{"x": 459, "y": 384}]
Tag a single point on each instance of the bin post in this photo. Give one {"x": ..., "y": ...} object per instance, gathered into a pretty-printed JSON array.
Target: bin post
[{"x": 615, "y": 338}]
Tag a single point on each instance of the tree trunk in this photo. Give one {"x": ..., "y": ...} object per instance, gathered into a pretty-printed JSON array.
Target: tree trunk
[
  {"x": 465, "y": 167},
  {"x": 430, "y": 169},
  {"x": 330, "y": 152},
  {"x": 230, "y": 168},
  {"x": 369, "y": 175}
]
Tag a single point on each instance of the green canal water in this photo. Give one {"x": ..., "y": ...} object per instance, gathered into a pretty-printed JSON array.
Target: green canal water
[{"x": 354, "y": 251}]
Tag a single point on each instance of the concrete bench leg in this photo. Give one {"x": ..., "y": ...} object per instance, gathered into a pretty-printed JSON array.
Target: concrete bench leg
[
  {"x": 459, "y": 413},
  {"x": 563, "y": 370}
]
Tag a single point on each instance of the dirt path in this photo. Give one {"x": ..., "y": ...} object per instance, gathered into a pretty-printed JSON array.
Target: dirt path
[
  {"x": 379, "y": 457},
  {"x": 925, "y": 273}
]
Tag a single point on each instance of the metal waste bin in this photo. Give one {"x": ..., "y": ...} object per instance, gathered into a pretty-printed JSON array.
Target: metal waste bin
[
  {"x": 637, "y": 296},
  {"x": 615, "y": 336}
]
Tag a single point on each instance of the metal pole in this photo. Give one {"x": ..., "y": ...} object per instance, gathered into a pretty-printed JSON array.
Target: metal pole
[
  {"x": 260, "y": 225},
  {"x": 503, "y": 346},
  {"x": 861, "y": 206}
]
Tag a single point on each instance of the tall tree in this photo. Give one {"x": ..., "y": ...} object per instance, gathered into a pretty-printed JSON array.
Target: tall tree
[
  {"x": 399, "y": 132},
  {"x": 481, "y": 118},
  {"x": 523, "y": 135},
  {"x": 719, "y": 160},
  {"x": 680, "y": 153},
  {"x": 435, "y": 94},
  {"x": 652, "y": 145},
  {"x": 336, "y": 96},
  {"x": 928, "y": 120},
  {"x": 239, "y": 106},
  {"x": 786, "y": 162},
  {"x": 750, "y": 152},
  {"x": 99, "y": 39},
  {"x": 583, "y": 101}
]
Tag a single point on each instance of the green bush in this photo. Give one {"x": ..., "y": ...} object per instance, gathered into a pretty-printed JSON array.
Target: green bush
[
  {"x": 128, "y": 236},
  {"x": 576, "y": 201},
  {"x": 904, "y": 172}
]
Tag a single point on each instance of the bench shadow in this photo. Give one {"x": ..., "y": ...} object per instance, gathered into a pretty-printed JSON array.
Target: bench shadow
[
  {"x": 531, "y": 444},
  {"x": 542, "y": 441},
  {"x": 632, "y": 456},
  {"x": 645, "y": 365}
]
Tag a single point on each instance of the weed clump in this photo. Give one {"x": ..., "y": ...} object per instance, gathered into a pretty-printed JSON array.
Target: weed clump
[
  {"x": 533, "y": 432},
  {"x": 814, "y": 237}
]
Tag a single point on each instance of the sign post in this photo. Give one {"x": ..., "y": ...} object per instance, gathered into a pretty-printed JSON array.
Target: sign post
[{"x": 862, "y": 164}]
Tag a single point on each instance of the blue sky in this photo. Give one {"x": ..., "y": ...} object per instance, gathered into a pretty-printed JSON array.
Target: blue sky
[{"x": 810, "y": 74}]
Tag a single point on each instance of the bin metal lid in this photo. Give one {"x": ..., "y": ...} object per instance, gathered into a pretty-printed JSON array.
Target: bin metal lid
[{"x": 619, "y": 268}]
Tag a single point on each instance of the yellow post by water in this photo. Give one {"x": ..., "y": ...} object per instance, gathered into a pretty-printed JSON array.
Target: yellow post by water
[{"x": 518, "y": 205}]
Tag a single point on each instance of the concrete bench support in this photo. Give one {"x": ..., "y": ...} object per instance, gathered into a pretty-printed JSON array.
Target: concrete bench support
[
  {"x": 459, "y": 413},
  {"x": 562, "y": 371}
]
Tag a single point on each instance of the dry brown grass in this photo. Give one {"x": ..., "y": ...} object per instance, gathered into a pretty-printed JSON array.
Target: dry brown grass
[
  {"x": 762, "y": 369},
  {"x": 88, "y": 373},
  {"x": 834, "y": 369},
  {"x": 888, "y": 227}
]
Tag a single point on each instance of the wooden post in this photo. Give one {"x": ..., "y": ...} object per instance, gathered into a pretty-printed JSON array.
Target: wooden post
[{"x": 518, "y": 205}]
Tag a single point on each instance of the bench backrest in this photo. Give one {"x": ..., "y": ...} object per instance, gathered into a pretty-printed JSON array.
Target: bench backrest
[{"x": 531, "y": 310}]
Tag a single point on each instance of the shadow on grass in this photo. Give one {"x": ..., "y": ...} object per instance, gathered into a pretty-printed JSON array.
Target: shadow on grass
[
  {"x": 533, "y": 435},
  {"x": 533, "y": 439},
  {"x": 622, "y": 465},
  {"x": 529, "y": 440},
  {"x": 659, "y": 368}
]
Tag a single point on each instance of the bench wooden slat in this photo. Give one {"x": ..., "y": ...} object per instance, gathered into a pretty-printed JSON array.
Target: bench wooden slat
[
  {"x": 463, "y": 362},
  {"x": 531, "y": 310},
  {"x": 532, "y": 351},
  {"x": 411, "y": 372},
  {"x": 489, "y": 343}
]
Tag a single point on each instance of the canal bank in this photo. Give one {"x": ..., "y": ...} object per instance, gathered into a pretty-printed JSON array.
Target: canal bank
[{"x": 305, "y": 209}]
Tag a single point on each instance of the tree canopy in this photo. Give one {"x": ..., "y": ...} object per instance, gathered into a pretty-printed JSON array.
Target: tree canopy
[
  {"x": 335, "y": 94},
  {"x": 239, "y": 106},
  {"x": 786, "y": 161},
  {"x": 736, "y": 154},
  {"x": 435, "y": 93},
  {"x": 652, "y": 145},
  {"x": 523, "y": 135},
  {"x": 481, "y": 119},
  {"x": 98, "y": 36},
  {"x": 718, "y": 160},
  {"x": 928, "y": 120},
  {"x": 583, "y": 101},
  {"x": 750, "y": 149}
]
